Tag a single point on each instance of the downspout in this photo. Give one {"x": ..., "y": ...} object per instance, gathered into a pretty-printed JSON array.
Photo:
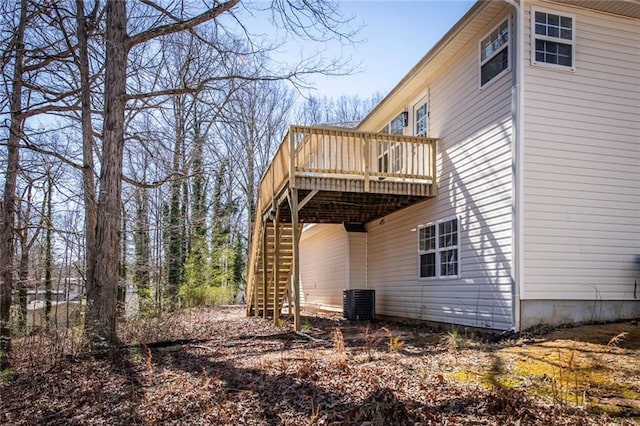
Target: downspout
[{"x": 517, "y": 150}]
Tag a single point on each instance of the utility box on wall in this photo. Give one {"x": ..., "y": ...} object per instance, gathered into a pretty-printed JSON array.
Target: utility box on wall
[{"x": 359, "y": 304}]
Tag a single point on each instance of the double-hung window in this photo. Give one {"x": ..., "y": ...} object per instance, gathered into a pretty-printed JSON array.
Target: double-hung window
[
  {"x": 421, "y": 118},
  {"x": 439, "y": 249},
  {"x": 494, "y": 53},
  {"x": 553, "y": 38},
  {"x": 390, "y": 156}
]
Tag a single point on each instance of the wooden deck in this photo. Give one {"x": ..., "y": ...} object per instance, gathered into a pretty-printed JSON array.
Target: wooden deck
[{"x": 328, "y": 175}]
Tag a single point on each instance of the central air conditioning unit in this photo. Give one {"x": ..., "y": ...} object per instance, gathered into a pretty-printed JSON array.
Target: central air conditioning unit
[{"x": 359, "y": 304}]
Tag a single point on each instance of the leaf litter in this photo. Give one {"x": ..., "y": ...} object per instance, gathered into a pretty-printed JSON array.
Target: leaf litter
[{"x": 217, "y": 366}]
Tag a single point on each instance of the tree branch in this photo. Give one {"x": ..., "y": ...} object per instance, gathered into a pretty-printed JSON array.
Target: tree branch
[
  {"x": 167, "y": 92},
  {"x": 49, "y": 109},
  {"x": 54, "y": 154},
  {"x": 147, "y": 185},
  {"x": 180, "y": 26}
]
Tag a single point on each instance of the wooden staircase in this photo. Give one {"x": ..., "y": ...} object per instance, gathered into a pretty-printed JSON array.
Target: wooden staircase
[{"x": 277, "y": 276}]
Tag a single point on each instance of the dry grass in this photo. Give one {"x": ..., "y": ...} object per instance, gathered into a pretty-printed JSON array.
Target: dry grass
[
  {"x": 618, "y": 338},
  {"x": 395, "y": 342}
]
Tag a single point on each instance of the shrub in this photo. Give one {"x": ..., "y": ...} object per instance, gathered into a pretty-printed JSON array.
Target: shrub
[
  {"x": 453, "y": 340},
  {"x": 192, "y": 297}
]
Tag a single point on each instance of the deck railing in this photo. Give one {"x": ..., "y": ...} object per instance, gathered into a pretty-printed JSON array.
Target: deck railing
[{"x": 343, "y": 153}]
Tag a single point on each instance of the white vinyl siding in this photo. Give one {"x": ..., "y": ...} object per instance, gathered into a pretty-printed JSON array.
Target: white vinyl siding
[
  {"x": 474, "y": 168},
  {"x": 323, "y": 265},
  {"x": 357, "y": 243},
  {"x": 582, "y": 166}
]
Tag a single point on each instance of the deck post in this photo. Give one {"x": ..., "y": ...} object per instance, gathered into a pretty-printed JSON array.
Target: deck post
[
  {"x": 256, "y": 302},
  {"x": 292, "y": 160},
  {"x": 366, "y": 162},
  {"x": 434, "y": 184},
  {"x": 296, "y": 257},
  {"x": 265, "y": 241},
  {"x": 276, "y": 265}
]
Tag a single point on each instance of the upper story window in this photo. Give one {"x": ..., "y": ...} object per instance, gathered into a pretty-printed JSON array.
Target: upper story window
[
  {"x": 552, "y": 38},
  {"x": 396, "y": 127},
  {"x": 421, "y": 118},
  {"x": 390, "y": 155},
  {"x": 494, "y": 53},
  {"x": 439, "y": 249}
]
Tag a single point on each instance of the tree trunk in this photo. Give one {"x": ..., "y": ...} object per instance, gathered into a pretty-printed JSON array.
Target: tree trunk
[
  {"x": 251, "y": 198},
  {"x": 23, "y": 278},
  {"x": 122, "y": 267},
  {"x": 100, "y": 323},
  {"x": 141, "y": 275},
  {"x": 175, "y": 255},
  {"x": 23, "y": 217},
  {"x": 8, "y": 210},
  {"x": 48, "y": 260},
  {"x": 88, "y": 169}
]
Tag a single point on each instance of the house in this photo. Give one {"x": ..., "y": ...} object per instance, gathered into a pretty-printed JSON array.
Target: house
[
  {"x": 64, "y": 313},
  {"x": 496, "y": 186}
]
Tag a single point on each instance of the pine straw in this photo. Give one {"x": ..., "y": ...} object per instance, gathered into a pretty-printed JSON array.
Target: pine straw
[{"x": 216, "y": 366}]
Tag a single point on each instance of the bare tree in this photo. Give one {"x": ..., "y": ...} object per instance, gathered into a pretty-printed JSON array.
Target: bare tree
[
  {"x": 38, "y": 85},
  {"x": 257, "y": 116},
  {"x": 27, "y": 232},
  {"x": 100, "y": 321},
  {"x": 48, "y": 250},
  {"x": 344, "y": 111},
  {"x": 83, "y": 23},
  {"x": 8, "y": 202}
]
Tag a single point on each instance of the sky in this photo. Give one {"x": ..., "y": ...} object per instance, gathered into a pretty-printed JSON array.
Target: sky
[{"x": 395, "y": 36}]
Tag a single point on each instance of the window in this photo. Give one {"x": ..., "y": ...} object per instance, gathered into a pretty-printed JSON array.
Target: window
[
  {"x": 439, "y": 250},
  {"x": 552, "y": 38},
  {"x": 383, "y": 157},
  {"x": 494, "y": 53},
  {"x": 396, "y": 127},
  {"x": 390, "y": 154},
  {"x": 421, "y": 118}
]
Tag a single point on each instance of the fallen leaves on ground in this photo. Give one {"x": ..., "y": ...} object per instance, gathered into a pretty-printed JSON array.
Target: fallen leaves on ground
[{"x": 216, "y": 366}]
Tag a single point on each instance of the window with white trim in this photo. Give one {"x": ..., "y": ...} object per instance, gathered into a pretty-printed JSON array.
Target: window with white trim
[
  {"x": 421, "y": 118},
  {"x": 390, "y": 154},
  {"x": 439, "y": 249},
  {"x": 494, "y": 53},
  {"x": 553, "y": 38}
]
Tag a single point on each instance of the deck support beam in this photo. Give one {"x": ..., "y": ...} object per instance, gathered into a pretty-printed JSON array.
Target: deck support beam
[
  {"x": 276, "y": 265},
  {"x": 264, "y": 267},
  {"x": 293, "y": 203},
  {"x": 308, "y": 198}
]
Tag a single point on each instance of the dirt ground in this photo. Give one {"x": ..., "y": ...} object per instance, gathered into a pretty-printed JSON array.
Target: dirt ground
[{"x": 216, "y": 366}]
